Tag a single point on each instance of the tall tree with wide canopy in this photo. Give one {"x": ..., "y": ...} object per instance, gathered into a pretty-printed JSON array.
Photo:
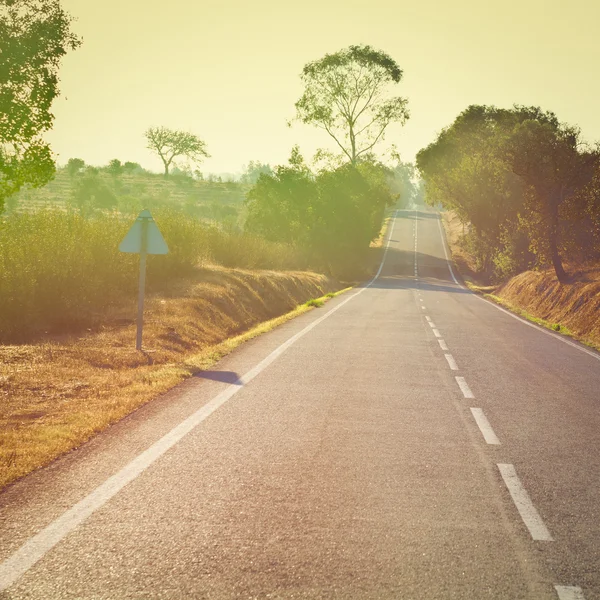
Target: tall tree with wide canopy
[
  {"x": 34, "y": 36},
  {"x": 347, "y": 94},
  {"x": 465, "y": 172},
  {"x": 170, "y": 144},
  {"x": 554, "y": 164}
]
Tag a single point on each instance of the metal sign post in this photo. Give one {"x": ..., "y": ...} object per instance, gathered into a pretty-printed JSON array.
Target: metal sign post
[
  {"x": 142, "y": 288},
  {"x": 143, "y": 238}
]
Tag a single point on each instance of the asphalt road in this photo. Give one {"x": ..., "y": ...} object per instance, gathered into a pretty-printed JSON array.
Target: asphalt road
[{"x": 407, "y": 440}]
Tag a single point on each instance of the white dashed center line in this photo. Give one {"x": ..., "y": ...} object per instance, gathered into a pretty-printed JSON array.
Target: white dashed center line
[
  {"x": 485, "y": 427},
  {"x": 568, "y": 592},
  {"x": 451, "y": 362},
  {"x": 442, "y": 344},
  {"x": 464, "y": 387},
  {"x": 527, "y": 510},
  {"x": 436, "y": 333}
]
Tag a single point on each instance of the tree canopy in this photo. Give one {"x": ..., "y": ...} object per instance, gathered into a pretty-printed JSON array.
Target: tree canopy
[
  {"x": 511, "y": 174},
  {"x": 347, "y": 94},
  {"x": 34, "y": 36},
  {"x": 332, "y": 215},
  {"x": 170, "y": 144}
]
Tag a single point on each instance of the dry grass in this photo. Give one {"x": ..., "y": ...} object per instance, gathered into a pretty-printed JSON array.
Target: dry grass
[
  {"x": 378, "y": 242},
  {"x": 571, "y": 308},
  {"x": 56, "y": 394}
]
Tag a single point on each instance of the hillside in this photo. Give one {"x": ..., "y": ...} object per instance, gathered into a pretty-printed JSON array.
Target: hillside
[{"x": 210, "y": 200}]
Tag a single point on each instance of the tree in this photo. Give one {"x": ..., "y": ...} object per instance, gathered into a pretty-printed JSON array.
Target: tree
[
  {"x": 115, "y": 168},
  {"x": 254, "y": 170},
  {"x": 465, "y": 171},
  {"x": 402, "y": 183},
  {"x": 347, "y": 95},
  {"x": 279, "y": 203},
  {"x": 34, "y": 36},
  {"x": 332, "y": 216},
  {"x": 170, "y": 144},
  {"x": 550, "y": 159},
  {"x": 90, "y": 193},
  {"x": 517, "y": 177},
  {"x": 132, "y": 167},
  {"x": 74, "y": 165}
]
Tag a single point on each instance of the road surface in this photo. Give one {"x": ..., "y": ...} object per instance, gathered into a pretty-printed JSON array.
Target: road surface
[{"x": 407, "y": 440}]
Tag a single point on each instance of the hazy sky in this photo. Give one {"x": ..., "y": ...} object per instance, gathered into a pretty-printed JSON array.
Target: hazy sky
[{"x": 229, "y": 71}]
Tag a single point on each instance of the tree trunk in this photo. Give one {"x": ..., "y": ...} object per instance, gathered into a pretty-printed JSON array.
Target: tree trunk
[
  {"x": 554, "y": 254},
  {"x": 166, "y": 170},
  {"x": 353, "y": 142}
]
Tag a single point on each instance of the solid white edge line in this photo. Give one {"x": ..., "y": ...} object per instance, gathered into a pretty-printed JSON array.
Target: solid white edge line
[
  {"x": 443, "y": 345},
  {"x": 556, "y": 336},
  {"x": 484, "y": 426},
  {"x": 451, "y": 362},
  {"x": 464, "y": 387},
  {"x": 529, "y": 514},
  {"x": 569, "y": 592},
  {"x": 18, "y": 563}
]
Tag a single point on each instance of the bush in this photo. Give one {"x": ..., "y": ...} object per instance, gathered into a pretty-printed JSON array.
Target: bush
[{"x": 333, "y": 215}]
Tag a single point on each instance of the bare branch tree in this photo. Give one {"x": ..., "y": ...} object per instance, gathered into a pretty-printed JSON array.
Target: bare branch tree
[{"x": 170, "y": 144}]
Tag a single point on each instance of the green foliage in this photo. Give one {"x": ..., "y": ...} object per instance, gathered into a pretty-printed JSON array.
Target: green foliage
[
  {"x": 34, "y": 36},
  {"x": 60, "y": 271},
  {"x": 74, "y": 166},
  {"x": 347, "y": 95},
  {"x": 333, "y": 215},
  {"x": 254, "y": 170},
  {"x": 552, "y": 164},
  {"x": 513, "y": 255},
  {"x": 115, "y": 168},
  {"x": 169, "y": 144},
  {"x": 280, "y": 207},
  {"x": 315, "y": 302},
  {"x": 132, "y": 167},
  {"x": 402, "y": 183},
  {"x": 90, "y": 193},
  {"x": 511, "y": 171}
]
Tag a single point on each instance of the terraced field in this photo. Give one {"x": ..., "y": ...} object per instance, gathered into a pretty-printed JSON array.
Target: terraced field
[{"x": 213, "y": 201}]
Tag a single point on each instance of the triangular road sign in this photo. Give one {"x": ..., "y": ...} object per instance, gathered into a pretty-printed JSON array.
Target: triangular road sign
[{"x": 132, "y": 242}]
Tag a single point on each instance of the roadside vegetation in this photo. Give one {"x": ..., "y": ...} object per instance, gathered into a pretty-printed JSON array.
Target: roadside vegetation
[
  {"x": 245, "y": 254},
  {"x": 521, "y": 191},
  {"x": 525, "y": 186},
  {"x": 57, "y": 393}
]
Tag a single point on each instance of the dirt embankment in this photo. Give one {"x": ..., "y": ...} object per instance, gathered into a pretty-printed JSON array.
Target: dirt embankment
[
  {"x": 57, "y": 393},
  {"x": 570, "y": 308},
  {"x": 574, "y": 306}
]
